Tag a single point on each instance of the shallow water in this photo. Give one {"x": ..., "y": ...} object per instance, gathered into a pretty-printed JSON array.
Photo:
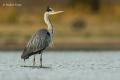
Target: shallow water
[{"x": 62, "y": 66}]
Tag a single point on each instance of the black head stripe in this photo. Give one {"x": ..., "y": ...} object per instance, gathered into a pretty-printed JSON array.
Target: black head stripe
[{"x": 49, "y": 9}]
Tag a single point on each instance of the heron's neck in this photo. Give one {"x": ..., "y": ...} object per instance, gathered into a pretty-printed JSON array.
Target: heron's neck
[{"x": 48, "y": 22}]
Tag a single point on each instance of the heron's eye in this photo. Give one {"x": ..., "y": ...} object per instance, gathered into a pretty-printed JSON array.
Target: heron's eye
[{"x": 49, "y": 10}]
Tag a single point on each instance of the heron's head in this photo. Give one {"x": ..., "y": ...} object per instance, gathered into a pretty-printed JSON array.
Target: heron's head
[{"x": 50, "y": 11}]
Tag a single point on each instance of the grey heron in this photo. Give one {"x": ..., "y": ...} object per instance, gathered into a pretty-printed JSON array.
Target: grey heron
[{"x": 41, "y": 39}]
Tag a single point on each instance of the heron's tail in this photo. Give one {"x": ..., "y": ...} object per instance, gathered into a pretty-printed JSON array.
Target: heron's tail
[
  {"x": 23, "y": 56},
  {"x": 26, "y": 54}
]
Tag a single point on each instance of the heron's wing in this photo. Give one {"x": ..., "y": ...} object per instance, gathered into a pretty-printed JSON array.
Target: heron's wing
[{"x": 39, "y": 41}]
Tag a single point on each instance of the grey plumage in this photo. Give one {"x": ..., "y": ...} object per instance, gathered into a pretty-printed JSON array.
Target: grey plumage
[{"x": 39, "y": 41}]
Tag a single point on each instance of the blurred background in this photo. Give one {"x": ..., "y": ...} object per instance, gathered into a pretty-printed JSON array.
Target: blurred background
[{"x": 84, "y": 25}]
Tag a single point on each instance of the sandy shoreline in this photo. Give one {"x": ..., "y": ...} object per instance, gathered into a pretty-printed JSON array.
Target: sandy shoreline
[{"x": 71, "y": 46}]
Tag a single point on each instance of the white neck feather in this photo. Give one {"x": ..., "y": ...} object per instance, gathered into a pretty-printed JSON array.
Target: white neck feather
[
  {"x": 50, "y": 27},
  {"x": 47, "y": 21}
]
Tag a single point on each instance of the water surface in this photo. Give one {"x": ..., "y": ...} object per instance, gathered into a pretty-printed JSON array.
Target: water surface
[{"x": 62, "y": 66}]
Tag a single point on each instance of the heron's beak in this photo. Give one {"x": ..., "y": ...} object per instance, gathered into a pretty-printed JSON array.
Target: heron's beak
[{"x": 57, "y": 12}]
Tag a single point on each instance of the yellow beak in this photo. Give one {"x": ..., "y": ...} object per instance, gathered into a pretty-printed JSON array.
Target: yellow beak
[{"x": 57, "y": 12}]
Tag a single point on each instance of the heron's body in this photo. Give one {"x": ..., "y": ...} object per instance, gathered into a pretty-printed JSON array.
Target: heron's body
[{"x": 41, "y": 39}]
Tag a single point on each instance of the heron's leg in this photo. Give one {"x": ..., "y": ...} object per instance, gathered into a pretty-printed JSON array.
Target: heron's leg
[
  {"x": 34, "y": 61},
  {"x": 24, "y": 62},
  {"x": 41, "y": 60}
]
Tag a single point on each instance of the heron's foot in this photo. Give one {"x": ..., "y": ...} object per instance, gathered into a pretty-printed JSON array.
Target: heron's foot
[{"x": 41, "y": 66}]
